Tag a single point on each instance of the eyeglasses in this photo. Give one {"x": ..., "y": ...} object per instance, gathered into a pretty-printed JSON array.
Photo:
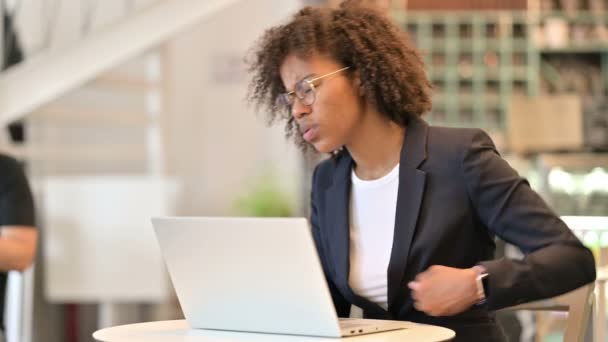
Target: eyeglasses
[{"x": 304, "y": 90}]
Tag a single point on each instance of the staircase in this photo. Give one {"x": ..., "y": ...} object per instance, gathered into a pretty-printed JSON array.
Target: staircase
[{"x": 51, "y": 74}]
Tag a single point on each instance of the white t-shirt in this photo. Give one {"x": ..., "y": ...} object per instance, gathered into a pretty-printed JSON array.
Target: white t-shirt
[{"x": 372, "y": 223}]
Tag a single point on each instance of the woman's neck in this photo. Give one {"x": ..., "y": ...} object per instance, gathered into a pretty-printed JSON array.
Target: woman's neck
[{"x": 376, "y": 148}]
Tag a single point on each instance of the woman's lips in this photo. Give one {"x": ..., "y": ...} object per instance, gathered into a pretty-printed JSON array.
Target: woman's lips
[{"x": 310, "y": 133}]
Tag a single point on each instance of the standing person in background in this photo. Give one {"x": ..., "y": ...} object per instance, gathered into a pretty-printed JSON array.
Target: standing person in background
[
  {"x": 404, "y": 214},
  {"x": 18, "y": 236}
]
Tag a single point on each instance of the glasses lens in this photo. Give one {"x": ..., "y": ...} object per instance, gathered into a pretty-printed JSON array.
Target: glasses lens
[{"x": 305, "y": 91}]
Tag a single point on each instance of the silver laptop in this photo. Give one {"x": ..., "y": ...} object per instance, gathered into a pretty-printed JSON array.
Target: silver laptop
[{"x": 253, "y": 274}]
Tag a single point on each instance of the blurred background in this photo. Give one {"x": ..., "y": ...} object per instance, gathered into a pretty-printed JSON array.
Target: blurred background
[{"x": 125, "y": 109}]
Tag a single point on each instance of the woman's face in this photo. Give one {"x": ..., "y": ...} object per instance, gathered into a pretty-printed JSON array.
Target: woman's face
[{"x": 331, "y": 120}]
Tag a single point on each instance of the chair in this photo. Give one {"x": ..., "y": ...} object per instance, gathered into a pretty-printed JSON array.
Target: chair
[
  {"x": 593, "y": 231},
  {"x": 18, "y": 306},
  {"x": 600, "y": 318},
  {"x": 578, "y": 303}
]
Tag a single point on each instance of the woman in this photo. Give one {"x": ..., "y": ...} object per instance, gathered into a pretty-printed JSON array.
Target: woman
[{"x": 404, "y": 215}]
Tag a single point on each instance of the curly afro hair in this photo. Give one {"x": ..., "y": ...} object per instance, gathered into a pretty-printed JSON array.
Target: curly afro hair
[{"x": 389, "y": 68}]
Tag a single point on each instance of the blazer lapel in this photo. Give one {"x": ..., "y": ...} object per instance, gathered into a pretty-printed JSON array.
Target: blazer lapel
[
  {"x": 337, "y": 199},
  {"x": 409, "y": 199}
]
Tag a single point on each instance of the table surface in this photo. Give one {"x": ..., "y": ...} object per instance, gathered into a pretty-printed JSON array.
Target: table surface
[{"x": 180, "y": 331}]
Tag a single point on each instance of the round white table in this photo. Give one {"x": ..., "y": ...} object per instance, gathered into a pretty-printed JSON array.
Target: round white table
[{"x": 180, "y": 331}]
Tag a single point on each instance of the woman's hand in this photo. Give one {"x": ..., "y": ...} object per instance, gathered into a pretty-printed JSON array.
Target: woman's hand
[{"x": 444, "y": 291}]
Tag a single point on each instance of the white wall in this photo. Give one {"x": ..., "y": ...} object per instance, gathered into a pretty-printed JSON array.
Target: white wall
[{"x": 216, "y": 143}]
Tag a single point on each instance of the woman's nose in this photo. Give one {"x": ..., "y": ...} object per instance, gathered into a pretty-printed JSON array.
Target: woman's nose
[{"x": 298, "y": 109}]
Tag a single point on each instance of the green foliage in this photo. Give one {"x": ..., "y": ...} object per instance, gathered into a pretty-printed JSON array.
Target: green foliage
[{"x": 266, "y": 199}]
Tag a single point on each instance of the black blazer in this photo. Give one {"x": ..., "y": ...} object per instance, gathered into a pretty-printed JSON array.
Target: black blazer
[{"x": 455, "y": 194}]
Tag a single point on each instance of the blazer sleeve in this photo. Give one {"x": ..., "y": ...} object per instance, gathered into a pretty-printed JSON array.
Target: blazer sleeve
[
  {"x": 555, "y": 261},
  {"x": 342, "y": 305}
]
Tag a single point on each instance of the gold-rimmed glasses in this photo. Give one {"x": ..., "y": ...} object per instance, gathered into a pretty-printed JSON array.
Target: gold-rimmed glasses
[{"x": 304, "y": 90}]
